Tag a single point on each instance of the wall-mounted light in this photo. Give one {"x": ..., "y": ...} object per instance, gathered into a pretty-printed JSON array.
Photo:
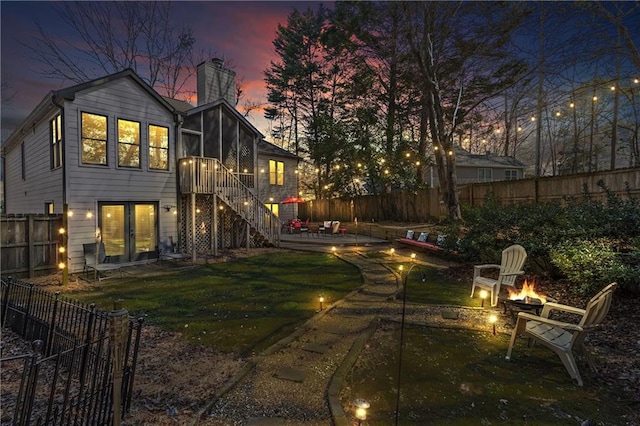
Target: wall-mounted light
[
  {"x": 169, "y": 208},
  {"x": 89, "y": 214}
]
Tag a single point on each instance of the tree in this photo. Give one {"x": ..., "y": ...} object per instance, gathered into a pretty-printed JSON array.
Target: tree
[
  {"x": 306, "y": 88},
  {"x": 460, "y": 55},
  {"x": 115, "y": 36}
]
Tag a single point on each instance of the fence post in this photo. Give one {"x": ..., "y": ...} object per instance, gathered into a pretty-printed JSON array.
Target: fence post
[
  {"x": 52, "y": 324},
  {"x": 118, "y": 330},
  {"x": 87, "y": 343},
  {"x": 5, "y": 304},
  {"x": 32, "y": 381},
  {"x": 27, "y": 311}
]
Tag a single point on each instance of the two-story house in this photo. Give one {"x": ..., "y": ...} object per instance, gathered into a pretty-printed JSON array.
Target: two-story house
[{"x": 135, "y": 169}]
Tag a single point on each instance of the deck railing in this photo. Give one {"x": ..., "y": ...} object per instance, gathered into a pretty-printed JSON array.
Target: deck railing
[{"x": 199, "y": 175}]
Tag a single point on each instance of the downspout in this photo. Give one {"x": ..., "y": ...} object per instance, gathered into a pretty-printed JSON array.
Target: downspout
[
  {"x": 179, "y": 119},
  {"x": 65, "y": 208}
]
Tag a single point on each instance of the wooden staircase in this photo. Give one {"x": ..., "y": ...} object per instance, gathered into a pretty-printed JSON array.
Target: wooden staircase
[{"x": 199, "y": 175}]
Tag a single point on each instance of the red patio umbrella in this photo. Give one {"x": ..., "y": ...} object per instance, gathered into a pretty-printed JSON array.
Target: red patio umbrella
[{"x": 292, "y": 200}]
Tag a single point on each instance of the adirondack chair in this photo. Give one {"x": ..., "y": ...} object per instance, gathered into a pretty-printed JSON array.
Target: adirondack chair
[
  {"x": 562, "y": 337},
  {"x": 513, "y": 258}
]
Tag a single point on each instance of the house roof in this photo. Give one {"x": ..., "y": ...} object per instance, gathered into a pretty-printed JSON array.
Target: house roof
[
  {"x": 268, "y": 148},
  {"x": 466, "y": 159},
  {"x": 180, "y": 106},
  {"x": 48, "y": 102}
]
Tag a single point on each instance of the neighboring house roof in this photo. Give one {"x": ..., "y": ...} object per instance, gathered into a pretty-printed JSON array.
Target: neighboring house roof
[
  {"x": 180, "y": 106},
  {"x": 466, "y": 159},
  {"x": 230, "y": 107},
  {"x": 268, "y": 148},
  {"x": 69, "y": 93}
]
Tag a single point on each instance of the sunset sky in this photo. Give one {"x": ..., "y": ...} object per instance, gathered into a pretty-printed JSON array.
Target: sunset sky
[{"x": 241, "y": 31}]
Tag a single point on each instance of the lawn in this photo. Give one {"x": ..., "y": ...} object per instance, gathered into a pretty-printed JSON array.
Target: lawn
[
  {"x": 237, "y": 307},
  {"x": 458, "y": 377}
]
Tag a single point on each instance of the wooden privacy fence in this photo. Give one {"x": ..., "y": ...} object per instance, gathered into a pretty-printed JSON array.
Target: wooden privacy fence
[
  {"x": 424, "y": 205},
  {"x": 29, "y": 243}
]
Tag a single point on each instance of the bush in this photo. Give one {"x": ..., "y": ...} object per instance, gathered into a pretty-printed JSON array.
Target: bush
[
  {"x": 589, "y": 242},
  {"x": 592, "y": 264}
]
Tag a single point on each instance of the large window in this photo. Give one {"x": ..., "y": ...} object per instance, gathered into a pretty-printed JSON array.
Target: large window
[
  {"x": 485, "y": 175},
  {"x": 276, "y": 172},
  {"x": 94, "y": 138},
  {"x": 510, "y": 174},
  {"x": 128, "y": 143},
  {"x": 56, "y": 142},
  {"x": 158, "y": 147}
]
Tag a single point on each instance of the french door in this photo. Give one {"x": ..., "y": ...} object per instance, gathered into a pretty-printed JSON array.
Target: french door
[{"x": 129, "y": 230}]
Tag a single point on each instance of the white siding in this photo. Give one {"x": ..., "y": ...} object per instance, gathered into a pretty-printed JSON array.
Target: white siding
[
  {"x": 88, "y": 184},
  {"x": 41, "y": 184}
]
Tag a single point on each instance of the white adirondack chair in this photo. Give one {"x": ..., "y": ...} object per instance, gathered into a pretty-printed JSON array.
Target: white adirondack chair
[
  {"x": 513, "y": 258},
  {"x": 562, "y": 337}
]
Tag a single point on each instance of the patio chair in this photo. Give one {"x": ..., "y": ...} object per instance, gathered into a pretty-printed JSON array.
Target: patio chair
[
  {"x": 562, "y": 337},
  {"x": 513, "y": 258},
  {"x": 167, "y": 251},
  {"x": 335, "y": 227},
  {"x": 304, "y": 227},
  {"x": 97, "y": 263}
]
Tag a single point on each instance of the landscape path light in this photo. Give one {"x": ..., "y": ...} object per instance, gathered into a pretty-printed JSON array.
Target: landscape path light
[
  {"x": 361, "y": 409},
  {"x": 483, "y": 296},
  {"x": 402, "y": 326},
  {"x": 492, "y": 320},
  {"x": 321, "y": 299}
]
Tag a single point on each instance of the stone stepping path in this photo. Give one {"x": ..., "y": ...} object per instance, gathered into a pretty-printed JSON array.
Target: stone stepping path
[
  {"x": 450, "y": 315},
  {"x": 316, "y": 347},
  {"x": 336, "y": 330},
  {"x": 266, "y": 421},
  {"x": 291, "y": 374}
]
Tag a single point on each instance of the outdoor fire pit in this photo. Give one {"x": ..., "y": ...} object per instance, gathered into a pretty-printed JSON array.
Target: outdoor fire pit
[{"x": 526, "y": 299}]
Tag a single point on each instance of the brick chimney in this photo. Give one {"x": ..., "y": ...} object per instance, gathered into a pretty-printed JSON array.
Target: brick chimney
[{"x": 215, "y": 82}]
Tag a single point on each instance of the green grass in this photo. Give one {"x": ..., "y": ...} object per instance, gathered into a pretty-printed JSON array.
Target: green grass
[
  {"x": 240, "y": 306},
  {"x": 428, "y": 285},
  {"x": 458, "y": 377}
]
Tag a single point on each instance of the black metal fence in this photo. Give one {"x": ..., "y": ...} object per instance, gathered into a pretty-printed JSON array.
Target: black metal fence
[{"x": 68, "y": 377}]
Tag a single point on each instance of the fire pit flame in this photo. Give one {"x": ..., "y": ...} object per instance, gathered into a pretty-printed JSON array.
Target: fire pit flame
[{"x": 527, "y": 294}]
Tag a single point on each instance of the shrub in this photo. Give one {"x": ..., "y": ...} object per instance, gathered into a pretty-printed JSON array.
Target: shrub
[
  {"x": 560, "y": 238},
  {"x": 592, "y": 264}
]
